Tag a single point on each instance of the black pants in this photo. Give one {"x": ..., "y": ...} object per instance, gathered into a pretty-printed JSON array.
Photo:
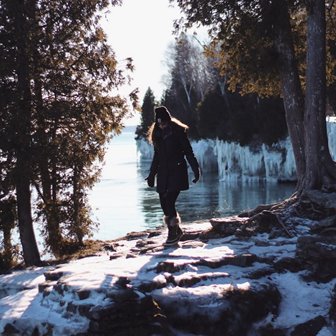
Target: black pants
[{"x": 167, "y": 200}]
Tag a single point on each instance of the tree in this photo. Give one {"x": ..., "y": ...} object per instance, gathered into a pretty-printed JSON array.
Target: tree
[
  {"x": 60, "y": 106},
  {"x": 23, "y": 122},
  {"x": 190, "y": 80},
  {"x": 147, "y": 114},
  {"x": 259, "y": 50},
  {"x": 247, "y": 119}
]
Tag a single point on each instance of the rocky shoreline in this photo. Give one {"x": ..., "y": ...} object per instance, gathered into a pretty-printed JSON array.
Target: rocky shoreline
[{"x": 225, "y": 277}]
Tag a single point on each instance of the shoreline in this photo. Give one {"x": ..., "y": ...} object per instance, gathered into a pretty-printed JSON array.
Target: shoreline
[{"x": 227, "y": 275}]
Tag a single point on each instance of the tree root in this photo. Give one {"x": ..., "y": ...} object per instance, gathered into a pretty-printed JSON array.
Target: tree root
[
  {"x": 269, "y": 207},
  {"x": 312, "y": 204},
  {"x": 282, "y": 224}
]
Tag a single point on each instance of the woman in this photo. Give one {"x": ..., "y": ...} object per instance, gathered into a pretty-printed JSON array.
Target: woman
[{"x": 171, "y": 146}]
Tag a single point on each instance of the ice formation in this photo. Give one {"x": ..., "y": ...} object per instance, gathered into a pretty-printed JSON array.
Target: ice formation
[{"x": 232, "y": 161}]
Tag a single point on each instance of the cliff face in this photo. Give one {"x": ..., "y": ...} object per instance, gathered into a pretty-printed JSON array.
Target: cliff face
[
  {"x": 234, "y": 162},
  {"x": 228, "y": 276}
]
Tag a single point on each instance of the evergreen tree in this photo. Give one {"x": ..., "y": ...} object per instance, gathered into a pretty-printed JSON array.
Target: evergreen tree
[
  {"x": 58, "y": 112},
  {"x": 213, "y": 117},
  {"x": 147, "y": 114},
  {"x": 22, "y": 115}
]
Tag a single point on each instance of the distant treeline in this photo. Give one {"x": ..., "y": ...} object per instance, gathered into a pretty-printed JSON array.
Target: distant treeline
[
  {"x": 199, "y": 96},
  {"x": 248, "y": 119}
]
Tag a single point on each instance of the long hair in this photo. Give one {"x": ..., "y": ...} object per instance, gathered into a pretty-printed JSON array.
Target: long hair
[{"x": 154, "y": 131}]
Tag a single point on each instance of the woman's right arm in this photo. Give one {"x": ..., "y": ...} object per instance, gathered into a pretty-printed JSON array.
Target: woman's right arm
[
  {"x": 155, "y": 163},
  {"x": 153, "y": 169}
]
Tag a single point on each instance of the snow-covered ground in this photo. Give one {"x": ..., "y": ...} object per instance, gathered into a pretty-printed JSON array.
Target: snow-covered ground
[{"x": 30, "y": 302}]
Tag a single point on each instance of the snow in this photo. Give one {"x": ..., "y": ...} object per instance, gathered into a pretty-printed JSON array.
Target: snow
[
  {"x": 23, "y": 305},
  {"x": 235, "y": 162},
  {"x": 301, "y": 301}
]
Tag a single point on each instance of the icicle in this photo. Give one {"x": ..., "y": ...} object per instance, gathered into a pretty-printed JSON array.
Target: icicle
[
  {"x": 242, "y": 163},
  {"x": 331, "y": 129},
  {"x": 144, "y": 149}
]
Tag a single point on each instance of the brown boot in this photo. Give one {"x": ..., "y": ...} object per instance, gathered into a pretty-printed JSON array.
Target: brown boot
[{"x": 174, "y": 231}]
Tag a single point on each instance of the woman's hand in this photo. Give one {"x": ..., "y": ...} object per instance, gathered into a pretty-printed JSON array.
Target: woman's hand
[
  {"x": 197, "y": 174},
  {"x": 150, "y": 180}
]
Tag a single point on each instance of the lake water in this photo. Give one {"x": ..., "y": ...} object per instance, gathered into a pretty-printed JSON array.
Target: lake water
[{"x": 122, "y": 201}]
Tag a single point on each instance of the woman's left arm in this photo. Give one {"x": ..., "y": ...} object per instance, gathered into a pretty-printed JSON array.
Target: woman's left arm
[{"x": 189, "y": 153}]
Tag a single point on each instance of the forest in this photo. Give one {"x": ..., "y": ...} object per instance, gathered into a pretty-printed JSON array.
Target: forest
[
  {"x": 268, "y": 70},
  {"x": 198, "y": 95}
]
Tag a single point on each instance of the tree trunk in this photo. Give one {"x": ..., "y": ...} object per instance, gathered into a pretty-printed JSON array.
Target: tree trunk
[
  {"x": 76, "y": 205},
  {"x": 291, "y": 86},
  {"x": 320, "y": 169},
  {"x": 7, "y": 223},
  {"x": 23, "y": 122},
  {"x": 54, "y": 238}
]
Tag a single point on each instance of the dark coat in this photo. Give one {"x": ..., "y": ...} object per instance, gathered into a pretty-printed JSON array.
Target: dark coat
[{"x": 169, "y": 165}]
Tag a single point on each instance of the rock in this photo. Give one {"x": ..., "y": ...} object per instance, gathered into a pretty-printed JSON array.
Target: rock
[
  {"x": 53, "y": 275},
  {"x": 325, "y": 226},
  {"x": 10, "y": 330},
  {"x": 109, "y": 247},
  {"x": 149, "y": 286},
  {"x": 318, "y": 254},
  {"x": 332, "y": 310},
  {"x": 193, "y": 236},
  {"x": 261, "y": 272},
  {"x": 47, "y": 284},
  {"x": 83, "y": 294},
  {"x": 169, "y": 266},
  {"x": 229, "y": 315},
  {"x": 133, "y": 316},
  {"x": 116, "y": 255},
  {"x": 316, "y": 205},
  {"x": 325, "y": 200},
  {"x": 316, "y": 247},
  {"x": 190, "y": 280},
  {"x": 257, "y": 302},
  {"x": 122, "y": 282},
  {"x": 136, "y": 235},
  {"x": 309, "y": 328},
  {"x": 269, "y": 330},
  {"x": 84, "y": 309},
  {"x": 131, "y": 255},
  {"x": 288, "y": 264},
  {"x": 154, "y": 233},
  {"x": 243, "y": 260},
  {"x": 228, "y": 225},
  {"x": 191, "y": 244}
]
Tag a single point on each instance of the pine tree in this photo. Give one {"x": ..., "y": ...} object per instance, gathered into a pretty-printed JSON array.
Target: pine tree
[
  {"x": 59, "y": 113},
  {"x": 147, "y": 114}
]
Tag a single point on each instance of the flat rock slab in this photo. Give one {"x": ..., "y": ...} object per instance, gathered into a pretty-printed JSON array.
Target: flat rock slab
[{"x": 227, "y": 225}]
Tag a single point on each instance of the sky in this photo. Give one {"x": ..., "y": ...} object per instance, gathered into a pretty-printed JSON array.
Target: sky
[
  {"x": 142, "y": 30},
  {"x": 27, "y": 307}
]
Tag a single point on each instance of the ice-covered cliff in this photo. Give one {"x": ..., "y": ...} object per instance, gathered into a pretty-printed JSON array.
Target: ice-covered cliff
[{"x": 232, "y": 161}]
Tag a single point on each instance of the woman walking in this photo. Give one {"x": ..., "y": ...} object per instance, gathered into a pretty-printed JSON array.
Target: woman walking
[{"x": 171, "y": 146}]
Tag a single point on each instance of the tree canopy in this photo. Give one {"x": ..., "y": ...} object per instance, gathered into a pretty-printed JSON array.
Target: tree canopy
[
  {"x": 198, "y": 95},
  {"x": 59, "y": 108},
  {"x": 279, "y": 47}
]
